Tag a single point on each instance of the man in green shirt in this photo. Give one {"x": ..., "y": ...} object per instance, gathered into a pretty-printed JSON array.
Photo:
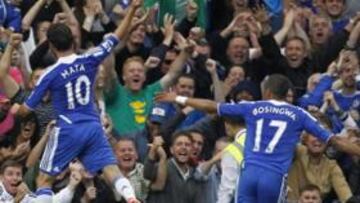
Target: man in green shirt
[{"x": 130, "y": 104}]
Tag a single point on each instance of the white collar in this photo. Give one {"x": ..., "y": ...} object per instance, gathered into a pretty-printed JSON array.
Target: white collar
[{"x": 185, "y": 175}]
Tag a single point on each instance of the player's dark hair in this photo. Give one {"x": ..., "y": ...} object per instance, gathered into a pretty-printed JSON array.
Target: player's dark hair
[
  {"x": 310, "y": 187},
  {"x": 278, "y": 85},
  {"x": 9, "y": 163},
  {"x": 178, "y": 134},
  {"x": 60, "y": 36}
]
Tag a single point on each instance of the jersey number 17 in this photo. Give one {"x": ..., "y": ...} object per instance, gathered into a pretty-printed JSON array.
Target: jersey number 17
[{"x": 281, "y": 127}]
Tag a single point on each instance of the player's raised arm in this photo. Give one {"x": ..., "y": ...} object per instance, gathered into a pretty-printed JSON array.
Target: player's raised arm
[
  {"x": 123, "y": 28},
  {"x": 206, "y": 105}
]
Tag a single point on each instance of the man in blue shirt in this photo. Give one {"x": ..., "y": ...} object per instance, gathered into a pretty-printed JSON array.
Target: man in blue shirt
[
  {"x": 162, "y": 112},
  {"x": 78, "y": 132},
  {"x": 273, "y": 131},
  {"x": 346, "y": 98}
]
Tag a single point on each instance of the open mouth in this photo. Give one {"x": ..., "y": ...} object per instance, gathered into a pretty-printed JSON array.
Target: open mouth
[
  {"x": 127, "y": 159},
  {"x": 27, "y": 129},
  {"x": 136, "y": 80},
  {"x": 183, "y": 155},
  {"x": 293, "y": 58},
  {"x": 319, "y": 34},
  {"x": 15, "y": 184},
  {"x": 239, "y": 56}
]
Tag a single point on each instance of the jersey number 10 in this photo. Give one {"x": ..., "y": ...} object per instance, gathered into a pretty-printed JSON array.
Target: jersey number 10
[
  {"x": 280, "y": 125},
  {"x": 82, "y": 99}
]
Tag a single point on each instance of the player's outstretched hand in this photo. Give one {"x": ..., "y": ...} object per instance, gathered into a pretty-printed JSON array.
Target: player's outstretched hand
[
  {"x": 165, "y": 97},
  {"x": 15, "y": 39}
]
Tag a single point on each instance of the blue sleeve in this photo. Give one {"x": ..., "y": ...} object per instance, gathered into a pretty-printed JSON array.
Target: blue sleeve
[
  {"x": 13, "y": 18},
  {"x": 315, "y": 97},
  {"x": 274, "y": 6},
  {"x": 235, "y": 109},
  {"x": 312, "y": 126},
  {"x": 100, "y": 52},
  {"x": 39, "y": 92}
]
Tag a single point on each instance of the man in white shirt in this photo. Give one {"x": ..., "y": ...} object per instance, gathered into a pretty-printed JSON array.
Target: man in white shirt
[{"x": 12, "y": 189}]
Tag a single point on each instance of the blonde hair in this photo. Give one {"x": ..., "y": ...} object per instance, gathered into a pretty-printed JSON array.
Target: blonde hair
[{"x": 137, "y": 59}]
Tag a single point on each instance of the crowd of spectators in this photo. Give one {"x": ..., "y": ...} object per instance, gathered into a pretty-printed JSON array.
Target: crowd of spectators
[{"x": 213, "y": 49}]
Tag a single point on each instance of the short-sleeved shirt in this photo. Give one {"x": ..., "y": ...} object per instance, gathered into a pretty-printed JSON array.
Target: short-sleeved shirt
[
  {"x": 129, "y": 110},
  {"x": 273, "y": 130}
]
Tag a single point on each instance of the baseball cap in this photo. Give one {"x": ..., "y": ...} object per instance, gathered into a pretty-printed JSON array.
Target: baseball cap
[{"x": 157, "y": 115}]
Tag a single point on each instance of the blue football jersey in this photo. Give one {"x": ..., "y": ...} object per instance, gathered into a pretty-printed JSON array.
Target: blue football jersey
[
  {"x": 273, "y": 131},
  {"x": 70, "y": 82}
]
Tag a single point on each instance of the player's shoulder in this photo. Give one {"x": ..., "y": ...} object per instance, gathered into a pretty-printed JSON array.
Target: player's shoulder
[{"x": 53, "y": 70}]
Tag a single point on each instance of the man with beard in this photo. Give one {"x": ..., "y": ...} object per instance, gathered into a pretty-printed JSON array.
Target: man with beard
[{"x": 343, "y": 102}]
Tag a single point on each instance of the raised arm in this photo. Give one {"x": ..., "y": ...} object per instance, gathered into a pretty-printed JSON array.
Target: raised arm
[
  {"x": 9, "y": 85},
  {"x": 281, "y": 35},
  {"x": 187, "y": 48},
  {"x": 353, "y": 37},
  {"x": 208, "y": 106},
  {"x": 31, "y": 15},
  {"x": 219, "y": 93},
  {"x": 122, "y": 29},
  {"x": 73, "y": 22},
  {"x": 159, "y": 183}
]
